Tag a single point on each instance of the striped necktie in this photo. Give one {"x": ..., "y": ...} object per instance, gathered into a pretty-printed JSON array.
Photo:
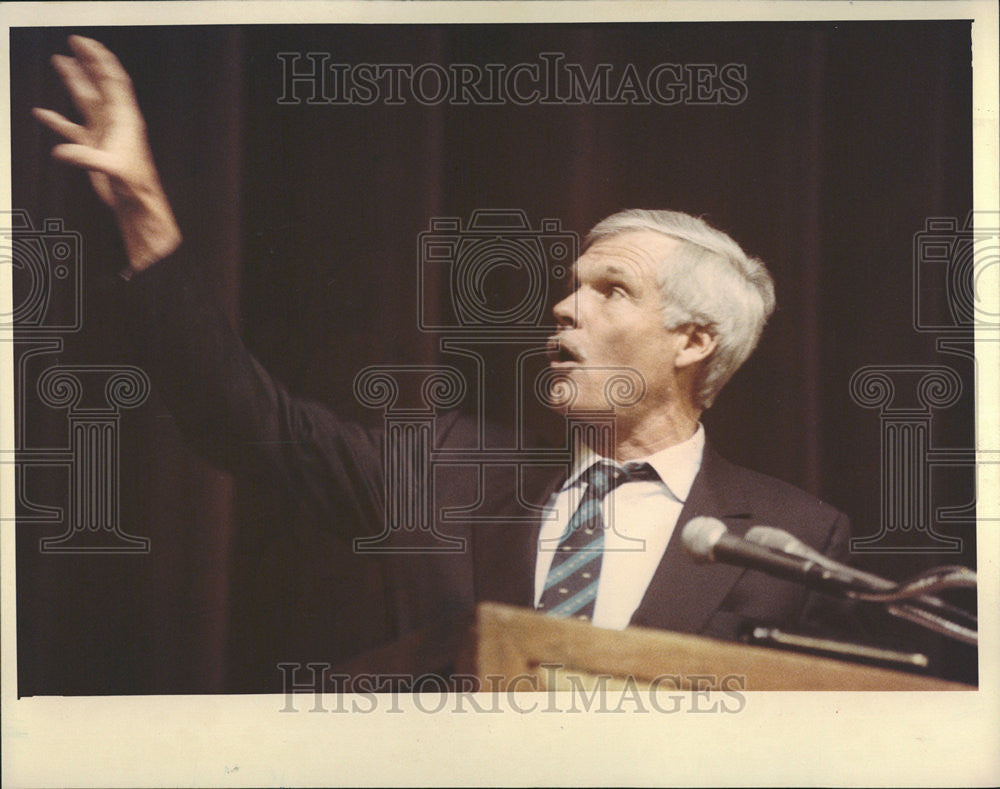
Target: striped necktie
[{"x": 571, "y": 585}]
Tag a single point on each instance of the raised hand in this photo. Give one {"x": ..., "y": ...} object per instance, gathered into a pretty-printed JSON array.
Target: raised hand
[{"x": 111, "y": 145}]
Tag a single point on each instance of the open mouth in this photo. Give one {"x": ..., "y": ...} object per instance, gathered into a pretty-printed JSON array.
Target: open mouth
[{"x": 561, "y": 353}]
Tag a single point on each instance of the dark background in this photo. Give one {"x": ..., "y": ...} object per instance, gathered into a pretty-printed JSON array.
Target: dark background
[{"x": 307, "y": 218}]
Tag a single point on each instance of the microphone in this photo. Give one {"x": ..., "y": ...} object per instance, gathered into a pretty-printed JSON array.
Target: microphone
[
  {"x": 781, "y": 540},
  {"x": 708, "y": 540}
]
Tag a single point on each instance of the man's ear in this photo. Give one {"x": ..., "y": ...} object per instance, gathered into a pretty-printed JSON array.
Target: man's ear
[{"x": 697, "y": 344}]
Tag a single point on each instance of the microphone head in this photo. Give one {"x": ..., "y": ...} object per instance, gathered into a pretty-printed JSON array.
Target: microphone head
[
  {"x": 781, "y": 540},
  {"x": 776, "y": 539},
  {"x": 700, "y": 535}
]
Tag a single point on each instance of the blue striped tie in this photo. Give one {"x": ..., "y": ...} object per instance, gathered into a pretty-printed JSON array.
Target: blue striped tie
[{"x": 571, "y": 585}]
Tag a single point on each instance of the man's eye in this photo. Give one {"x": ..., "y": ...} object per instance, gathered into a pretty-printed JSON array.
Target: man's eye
[{"x": 614, "y": 289}]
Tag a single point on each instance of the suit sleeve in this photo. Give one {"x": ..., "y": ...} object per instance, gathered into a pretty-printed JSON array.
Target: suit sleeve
[{"x": 235, "y": 414}]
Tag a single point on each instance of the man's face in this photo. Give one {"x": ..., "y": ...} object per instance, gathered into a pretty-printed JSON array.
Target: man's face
[{"x": 613, "y": 320}]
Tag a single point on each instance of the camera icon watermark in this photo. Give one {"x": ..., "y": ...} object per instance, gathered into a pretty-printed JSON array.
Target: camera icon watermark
[
  {"x": 956, "y": 274},
  {"x": 45, "y": 276},
  {"x": 498, "y": 271}
]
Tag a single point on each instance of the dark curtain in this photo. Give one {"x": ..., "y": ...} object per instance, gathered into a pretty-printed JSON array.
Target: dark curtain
[{"x": 307, "y": 217}]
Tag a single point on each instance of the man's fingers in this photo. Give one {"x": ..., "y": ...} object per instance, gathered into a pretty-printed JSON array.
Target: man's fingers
[
  {"x": 88, "y": 158},
  {"x": 103, "y": 68},
  {"x": 80, "y": 86},
  {"x": 60, "y": 125}
]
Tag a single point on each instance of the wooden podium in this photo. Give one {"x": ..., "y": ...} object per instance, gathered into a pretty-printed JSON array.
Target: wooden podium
[
  {"x": 513, "y": 642},
  {"x": 512, "y": 649}
]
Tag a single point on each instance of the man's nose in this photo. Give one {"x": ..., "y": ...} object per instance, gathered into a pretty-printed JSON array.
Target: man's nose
[{"x": 565, "y": 312}]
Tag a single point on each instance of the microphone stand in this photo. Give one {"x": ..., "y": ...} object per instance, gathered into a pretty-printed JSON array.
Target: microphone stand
[
  {"x": 911, "y": 600},
  {"x": 916, "y": 590},
  {"x": 782, "y": 555}
]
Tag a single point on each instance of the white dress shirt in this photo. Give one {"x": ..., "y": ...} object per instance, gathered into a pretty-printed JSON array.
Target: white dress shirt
[{"x": 639, "y": 518}]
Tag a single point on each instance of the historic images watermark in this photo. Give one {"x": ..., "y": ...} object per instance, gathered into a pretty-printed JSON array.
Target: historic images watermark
[
  {"x": 956, "y": 274},
  {"x": 316, "y": 78},
  {"x": 46, "y": 267},
  {"x": 457, "y": 306},
  {"x": 316, "y": 687}
]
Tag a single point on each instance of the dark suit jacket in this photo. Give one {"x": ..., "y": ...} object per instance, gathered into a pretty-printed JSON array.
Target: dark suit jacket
[{"x": 237, "y": 414}]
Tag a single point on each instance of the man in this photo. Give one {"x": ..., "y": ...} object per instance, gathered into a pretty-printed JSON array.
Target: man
[{"x": 661, "y": 295}]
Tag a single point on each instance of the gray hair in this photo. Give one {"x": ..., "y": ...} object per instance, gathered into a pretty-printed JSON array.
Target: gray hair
[{"x": 711, "y": 282}]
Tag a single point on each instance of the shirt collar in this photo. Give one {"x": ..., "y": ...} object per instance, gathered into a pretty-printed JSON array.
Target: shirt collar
[{"x": 677, "y": 465}]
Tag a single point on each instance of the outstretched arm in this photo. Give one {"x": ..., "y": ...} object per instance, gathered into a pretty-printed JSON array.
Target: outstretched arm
[
  {"x": 226, "y": 404},
  {"x": 111, "y": 145}
]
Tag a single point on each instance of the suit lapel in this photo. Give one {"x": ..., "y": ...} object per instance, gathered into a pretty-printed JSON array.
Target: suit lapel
[{"x": 683, "y": 594}]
